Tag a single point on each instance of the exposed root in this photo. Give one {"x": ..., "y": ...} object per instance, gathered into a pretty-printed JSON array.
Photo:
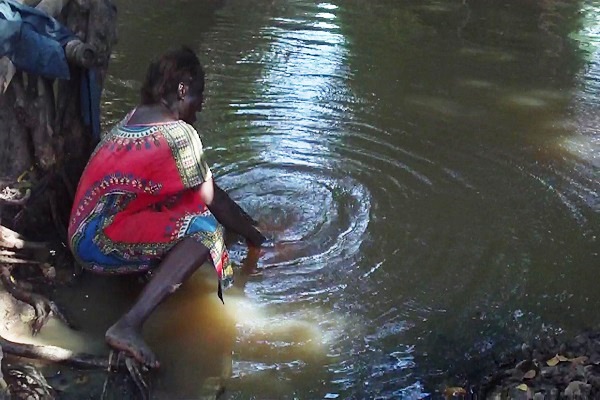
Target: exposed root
[
  {"x": 113, "y": 365},
  {"x": 53, "y": 354},
  {"x": 117, "y": 361},
  {"x": 10, "y": 239},
  {"x": 134, "y": 371},
  {"x": 26, "y": 382},
  {"x": 15, "y": 250},
  {"x": 42, "y": 306}
]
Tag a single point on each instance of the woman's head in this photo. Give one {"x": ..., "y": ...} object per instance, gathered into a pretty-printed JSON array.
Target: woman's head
[{"x": 176, "y": 79}]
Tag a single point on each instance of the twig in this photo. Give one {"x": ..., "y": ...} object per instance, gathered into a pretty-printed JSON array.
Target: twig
[
  {"x": 4, "y": 259},
  {"x": 10, "y": 239},
  {"x": 53, "y": 354},
  {"x": 121, "y": 360},
  {"x": 134, "y": 371}
]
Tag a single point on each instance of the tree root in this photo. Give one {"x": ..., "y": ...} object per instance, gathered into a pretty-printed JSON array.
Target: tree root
[
  {"x": 14, "y": 251},
  {"x": 42, "y": 306},
  {"x": 134, "y": 371},
  {"x": 121, "y": 360},
  {"x": 26, "y": 382},
  {"x": 10, "y": 239},
  {"x": 116, "y": 362},
  {"x": 54, "y": 354}
]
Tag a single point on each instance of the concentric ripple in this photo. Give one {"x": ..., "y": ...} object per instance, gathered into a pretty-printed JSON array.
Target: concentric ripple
[
  {"x": 307, "y": 216},
  {"x": 401, "y": 159}
]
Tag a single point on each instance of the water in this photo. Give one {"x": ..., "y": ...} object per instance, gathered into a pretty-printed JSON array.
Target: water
[{"x": 427, "y": 174}]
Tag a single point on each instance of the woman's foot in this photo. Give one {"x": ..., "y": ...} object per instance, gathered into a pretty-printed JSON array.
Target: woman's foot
[
  {"x": 250, "y": 263},
  {"x": 124, "y": 337}
]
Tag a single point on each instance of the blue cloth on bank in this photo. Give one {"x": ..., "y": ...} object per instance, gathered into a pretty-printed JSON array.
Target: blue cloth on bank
[
  {"x": 33, "y": 41},
  {"x": 90, "y": 101}
]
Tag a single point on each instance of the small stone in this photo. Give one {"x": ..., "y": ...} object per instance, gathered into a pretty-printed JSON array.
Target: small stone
[
  {"x": 579, "y": 372},
  {"x": 595, "y": 383},
  {"x": 581, "y": 339},
  {"x": 562, "y": 349},
  {"x": 529, "y": 374},
  {"x": 516, "y": 374},
  {"x": 536, "y": 355},
  {"x": 575, "y": 388},
  {"x": 495, "y": 396},
  {"x": 547, "y": 372},
  {"x": 524, "y": 365},
  {"x": 517, "y": 394},
  {"x": 526, "y": 350},
  {"x": 594, "y": 358}
]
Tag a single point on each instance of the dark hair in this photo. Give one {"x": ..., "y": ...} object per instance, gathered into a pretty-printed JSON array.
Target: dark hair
[{"x": 165, "y": 73}]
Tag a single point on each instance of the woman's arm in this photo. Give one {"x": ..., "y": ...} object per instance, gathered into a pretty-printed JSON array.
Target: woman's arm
[
  {"x": 221, "y": 195},
  {"x": 207, "y": 192},
  {"x": 229, "y": 213}
]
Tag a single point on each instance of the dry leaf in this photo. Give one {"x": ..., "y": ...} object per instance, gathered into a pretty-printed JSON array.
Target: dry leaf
[
  {"x": 529, "y": 374},
  {"x": 562, "y": 358},
  {"x": 553, "y": 361},
  {"x": 522, "y": 387},
  {"x": 454, "y": 391},
  {"x": 578, "y": 360}
]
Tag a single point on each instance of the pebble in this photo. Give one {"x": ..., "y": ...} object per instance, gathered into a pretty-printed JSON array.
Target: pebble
[{"x": 572, "y": 373}]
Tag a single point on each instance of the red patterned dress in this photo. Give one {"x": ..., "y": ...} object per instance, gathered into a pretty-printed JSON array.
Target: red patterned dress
[{"x": 139, "y": 195}]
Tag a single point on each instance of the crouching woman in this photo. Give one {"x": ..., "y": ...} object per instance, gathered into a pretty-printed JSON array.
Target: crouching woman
[{"x": 147, "y": 201}]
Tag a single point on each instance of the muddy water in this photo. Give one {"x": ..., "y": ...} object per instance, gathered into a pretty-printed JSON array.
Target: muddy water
[{"x": 426, "y": 172}]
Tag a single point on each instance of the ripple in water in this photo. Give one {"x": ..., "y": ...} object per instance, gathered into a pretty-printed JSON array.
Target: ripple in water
[{"x": 309, "y": 217}]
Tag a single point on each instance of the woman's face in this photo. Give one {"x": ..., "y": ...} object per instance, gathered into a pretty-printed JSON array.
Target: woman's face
[{"x": 189, "y": 106}]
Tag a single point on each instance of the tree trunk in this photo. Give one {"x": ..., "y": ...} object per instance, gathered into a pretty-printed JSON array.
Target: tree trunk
[
  {"x": 44, "y": 142},
  {"x": 44, "y": 146}
]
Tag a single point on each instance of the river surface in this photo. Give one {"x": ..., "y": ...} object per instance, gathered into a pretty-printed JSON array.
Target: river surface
[{"x": 426, "y": 171}]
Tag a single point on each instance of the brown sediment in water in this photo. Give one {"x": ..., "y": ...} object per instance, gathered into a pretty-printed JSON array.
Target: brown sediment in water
[{"x": 549, "y": 368}]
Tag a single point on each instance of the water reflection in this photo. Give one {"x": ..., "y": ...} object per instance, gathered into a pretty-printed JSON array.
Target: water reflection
[
  {"x": 426, "y": 173},
  {"x": 314, "y": 213},
  {"x": 304, "y": 69},
  {"x": 587, "y": 144}
]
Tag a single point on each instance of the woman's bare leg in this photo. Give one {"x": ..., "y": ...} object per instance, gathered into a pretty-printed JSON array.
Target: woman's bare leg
[{"x": 179, "y": 264}]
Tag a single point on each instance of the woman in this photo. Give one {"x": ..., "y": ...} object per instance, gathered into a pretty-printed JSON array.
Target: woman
[{"x": 147, "y": 201}]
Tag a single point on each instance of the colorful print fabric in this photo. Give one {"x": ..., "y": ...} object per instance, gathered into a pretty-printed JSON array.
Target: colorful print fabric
[{"x": 139, "y": 196}]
